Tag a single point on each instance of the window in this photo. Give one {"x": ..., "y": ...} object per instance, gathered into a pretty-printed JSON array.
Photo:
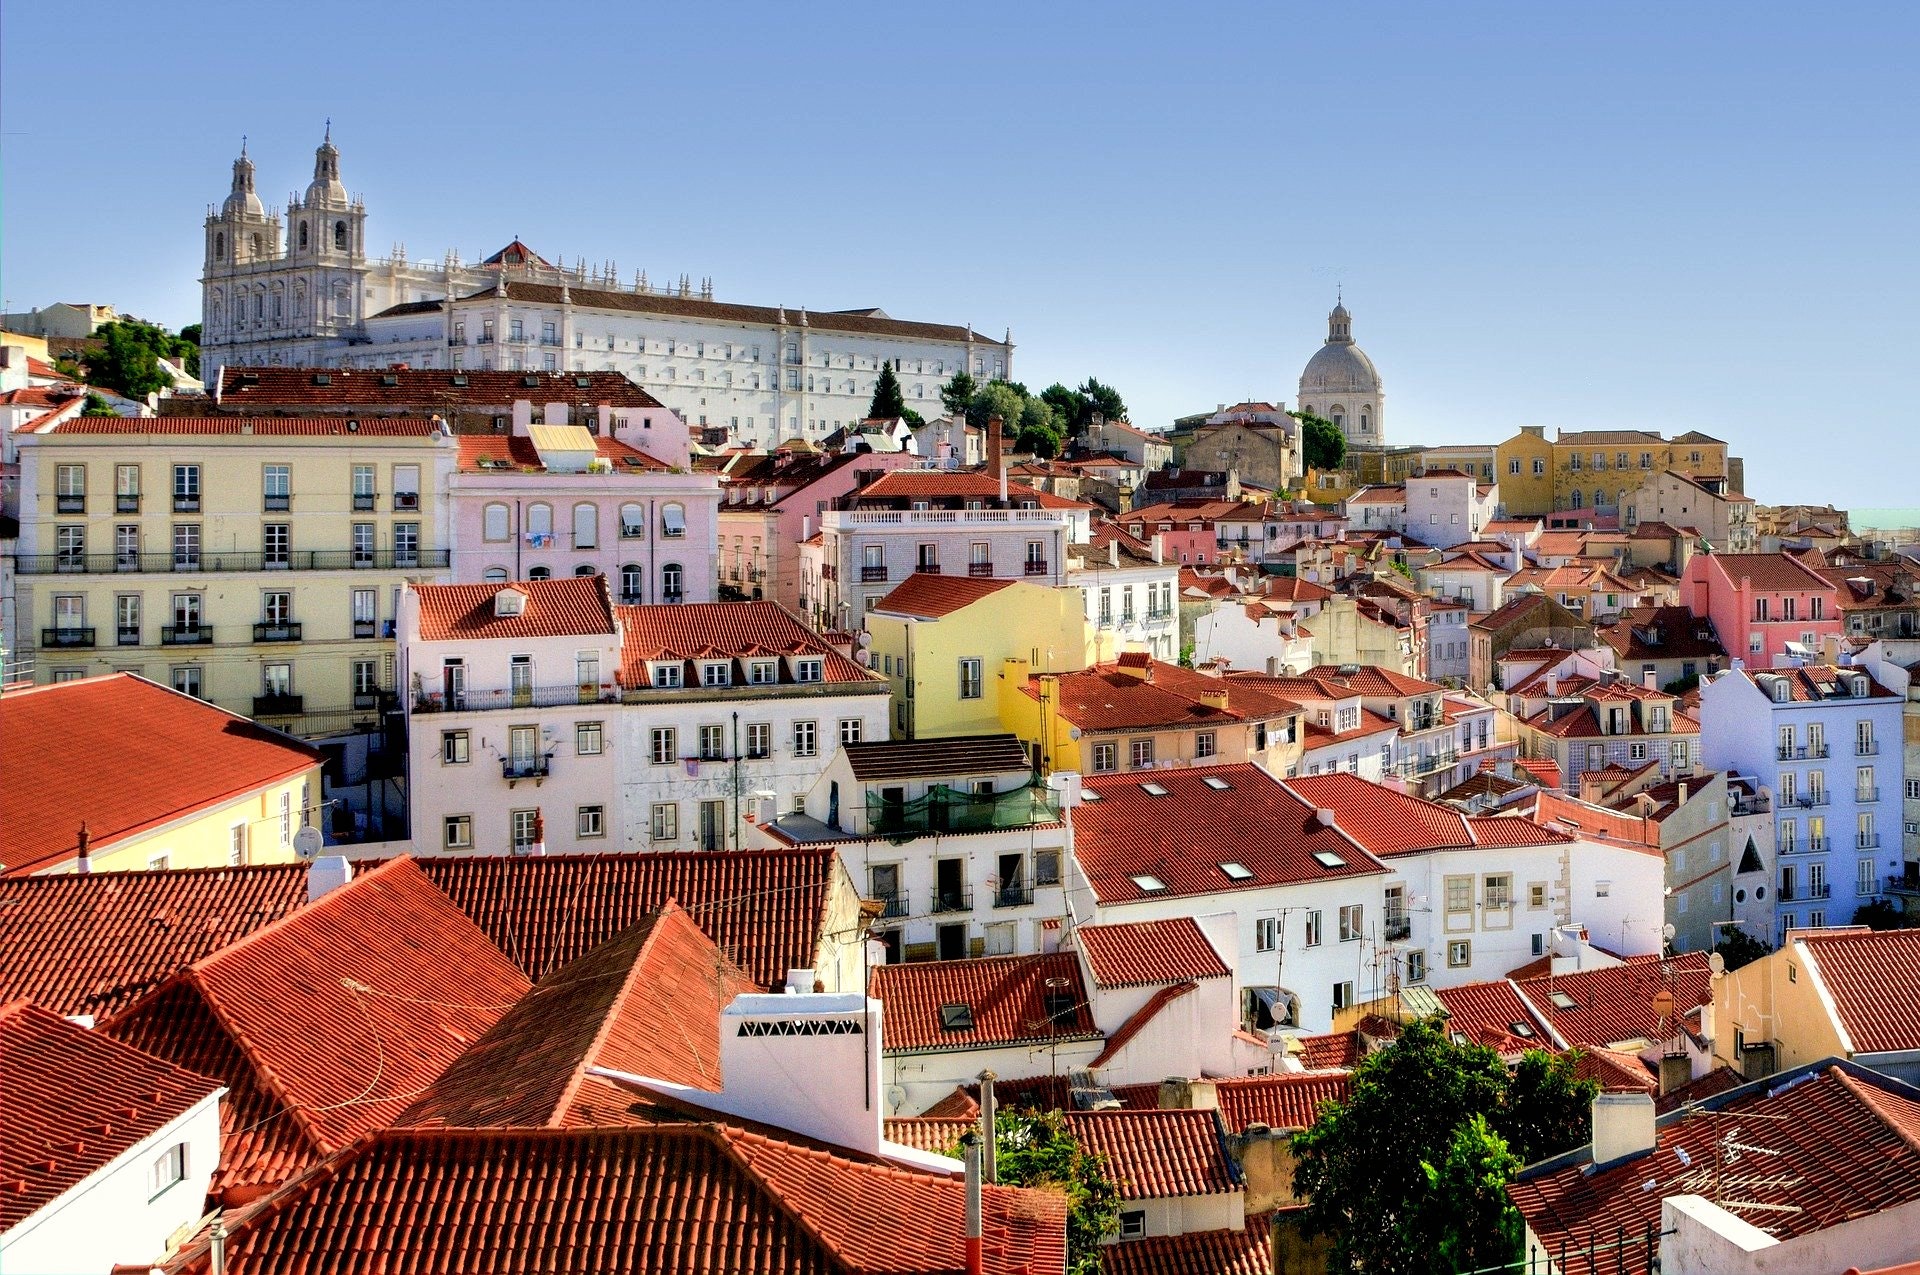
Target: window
[
  {"x": 406, "y": 544},
  {"x": 70, "y": 489},
  {"x": 1497, "y": 892},
  {"x": 673, "y": 521},
  {"x": 805, "y": 739},
  {"x": 1350, "y": 922},
  {"x": 633, "y": 522},
  {"x": 663, "y": 745},
  {"x": 186, "y": 679},
  {"x": 70, "y": 543},
  {"x": 1266, "y": 933},
  {"x": 849, "y": 730},
  {"x": 1140, "y": 753},
  {"x": 807, "y": 670},
  {"x": 1416, "y": 967},
  {"x": 586, "y": 527},
  {"x": 1536, "y": 895},
  {"x": 590, "y": 821},
  {"x": 589, "y": 739},
  {"x": 275, "y": 545},
  {"x": 406, "y": 487},
  {"x": 170, "y": 1167},
  {"x": 456, "y": 832},
  {"x": 1133, "y": 1224},
  {"x": 1459, "y": 954},
  {"x": 970, "y": 679},
  {"x": 759, "y": 739},
  {"x": 665, "y": 821},
  {"x": 763, "y": 672},
  {"x": 363, "y": 534},
  {"x": 276, "y": 487},
  {"x": 713, "y": 743},
  {"x": 524, "y": 827},
  {"x": 186, "y": 489},
  {"x": 1105, "y": 758},
  {"x": 1204, "y": 744},
  {"x": 1343, "y": 995},
  {"x": 495, "y": 524},
  {"x": 1046, "y": 867},
  {"x": 1314, "y": 929},
  {"x": 667, "y": 676},
  {"x": 671, "y": 576},
  {"x": 1460, "y": 894}
]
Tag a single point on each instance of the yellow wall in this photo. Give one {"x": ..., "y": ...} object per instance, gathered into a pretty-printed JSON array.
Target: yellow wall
[
  {"x": 204, "y": 839},
  {"x": 231, "y": 521},
  {"x": 1774, "y": 1000},
  {"x": 1042, "y": 625},
  {"x": 1643, "y": 460},
  {"x": 1525, "y": 494},
  {"x": 1035, "y": 721}
]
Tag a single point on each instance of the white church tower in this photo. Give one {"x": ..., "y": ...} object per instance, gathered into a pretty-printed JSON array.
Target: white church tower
[{"x": 1341, "y": 385}]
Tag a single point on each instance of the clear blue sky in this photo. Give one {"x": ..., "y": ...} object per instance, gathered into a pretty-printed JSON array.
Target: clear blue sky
[{"x": 1691, "y": 216}]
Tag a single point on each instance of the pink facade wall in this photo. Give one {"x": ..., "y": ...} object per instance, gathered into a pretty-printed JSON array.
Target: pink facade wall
[
  {"x": 796, "y": 517},
  {"x": 1730, "y": 605}
]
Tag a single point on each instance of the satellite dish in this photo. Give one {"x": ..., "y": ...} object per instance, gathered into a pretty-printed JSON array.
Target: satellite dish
[
  {"x": 865, "y": 639},
  {"x": 1716, "y": 964},
  {"x": 308, "y": 841},
  {"x": 1073, "y": 733},
  {"x": 1667, "y": 931}
]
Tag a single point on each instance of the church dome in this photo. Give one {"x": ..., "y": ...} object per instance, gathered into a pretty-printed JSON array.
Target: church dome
[
  {"x": 1340, "y": 368},
  {"x": 243, "y": 202},
  {"x": 326, "y": 189}
]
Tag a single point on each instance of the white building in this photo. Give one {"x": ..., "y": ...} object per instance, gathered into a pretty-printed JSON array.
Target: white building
[
  {"x": 111, "y": 1150},
  {"x": 1129, "y": 594},
  {"x": 759, "y": 372},
  {"x": 1441, "y": 508},
  {"x": 614, "y": 728},
  {"x": 1340, "y": 384}
]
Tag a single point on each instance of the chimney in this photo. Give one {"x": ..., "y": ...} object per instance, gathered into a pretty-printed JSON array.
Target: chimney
[
  {"x": 996, "y": 454},
  {"x": 1113, "y": 552},
  {"x": 1622, "y": 1127},
  {"x": 83, "y": 858},
  {"x": 328, "y": 873},
  {"x": 555, "y": 414},
  {"x": 970, "y": 1154},
  {"x": 1553, "y": 684},
  {"x": 1179, "y": 1093},
  {"x": 522, "y": 417},
  {"x": 1650, "y": 679},
  {"x": 989, "y": 1108}
]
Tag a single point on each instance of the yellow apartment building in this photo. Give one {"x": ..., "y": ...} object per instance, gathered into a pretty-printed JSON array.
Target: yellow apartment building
[
  {"x": 1595, "y": 470},
  {"x": 120, "y": 773},
  {"x": 940, "y": 640},
  {"x": 255, "y": 562}
]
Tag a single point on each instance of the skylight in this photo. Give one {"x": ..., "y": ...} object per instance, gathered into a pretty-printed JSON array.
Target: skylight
[
  {"x": 1328, "y": 859},
  {"x": 1147, "y": 881},
  {"x": 1090, "y": 796},
  {"x": 1216, "y": 783},
  {"x": 1153, "y": 790},
  {"x": 1237, "y": 871},
  {"x": 1563, "y": 1001},
  {"x": 956, "y": 1018},
  {"x": 1519, "y": 1029}
]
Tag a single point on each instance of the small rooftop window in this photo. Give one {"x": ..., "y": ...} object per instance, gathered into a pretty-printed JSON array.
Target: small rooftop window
[
  {"x": 1237, "y": 871},
  {"x": 1153, "y": 790},
  {"x": 1216, "y": 783},
  {"x": 1147, "y": 881},
  {"x": 1519, "y": 1029},
  {"x": 1328, "y": 859},
  {"x": 1091, "y": 796},
  {"x": 323, "y": 378},
  {"x": 459, "y": 380},
  {"x": 583, "y": 382},
  {"x": 956, "y": 1018},
  {"x": 530, "y": 381},
  {"x": 1563, "y": 1001}
]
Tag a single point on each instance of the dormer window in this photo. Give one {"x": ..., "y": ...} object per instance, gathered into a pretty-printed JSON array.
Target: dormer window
[
  {"x": 1859, "y": 688},
  {"x": 509, "y": 602},
  {"x": 716, "y": 673},
  {"x": 808, "y": 670},
  {"x": 763, "y": 672},
  {"x": 666, "y": 674}
]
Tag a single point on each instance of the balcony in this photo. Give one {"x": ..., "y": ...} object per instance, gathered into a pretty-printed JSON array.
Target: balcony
[
  {"x": 870, "y": 574},
  {"x": 1036, "y": 566},
  {"x": 70, "y": 504},
  {"x": 927, "y": 569},
  {"x": 1866, "y": 796},
  {"x": 516, "y": 698},
  {"x": 1909, "y": 883},
  {"x": 894, "y": 904},
  {"x": 67, "y": 637},
  {"x": 292, "y": 560},
  {"x": 127, "y": 635},
  {"x": 406, "y": 502},
  {"x": 279, "y": 705},
  {"x": 1866, "y": 748},
  {"x": 1016, "y": 895},
  {"x": 366, "y": 628},
  {"x": 365, "y": 501},
  {"x": 552, "y": 342},
  {"x": 514, "y": 769},
  {"x": 1866, "y": 841},
  {"x": 186, "y": 504},
  {"x": 456, "y": 340},
  {"x": 186, "y": 635},
  {"x": 127, "y": 503},
  {"x": 632, "y": 597},
  {"x": 1805, "y": 752},
  {"x": 979, "y": 569},
  {"x": 277, "y": 631},
  {"x": 1808, "y": 800},
  {"x": 1397, "y": 930},
  {"x": 485, "y": 338},
  {"x": 951, "y": 901}
]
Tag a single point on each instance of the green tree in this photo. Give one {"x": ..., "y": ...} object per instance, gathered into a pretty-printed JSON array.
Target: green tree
[
  {"x": 1103, "y": 399},
  {"x": 996, "y": 398},
  {"x": 190, "y": 336},
  {"x": 1465, "y": 1207},
  {"x": 97, "y": 406},
  {"x": 1363, "y": 1168},
  {"x": 1547, "y": 1108},
  {"x": 1071, "y": 409},
  {"x": 1036, "y": 1149},
  {"x": 1038, "y": 433},
  {"x": 957, "y": 395},
  {"x": 126, "y": 357},
  {"x": 1322, "y": 445},
  {"x": 888, "y": 402},
  {"x": 1737, "y": 947},
  {"x": 1879, "y": 914}
]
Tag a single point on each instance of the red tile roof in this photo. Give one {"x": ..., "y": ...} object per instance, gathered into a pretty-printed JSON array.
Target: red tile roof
[
  {"x": 1770, "y": 572},
  {"x": 929, "y": 597},
  {"x": 282, "y": 387},
  {"x": 1616, "y": 1072},
  {"x": 1243, "y": 1252},
  {"x": 939, "y": 1134},
  {"x": 1006, "y": 995},
  {"x": 955, "y": 755},
  {"x": 1158, "y": 1155},
  {"x": 1130, "y": 833},
  {"x": 76, "y": 1101},
  {"x": 764, "y": 909},
  {"x": 518, "y": 451},
  {"x": 1106, "y": 697},
  {"x": 1392, "y": 823},
  {"x": 1816, "y": 682},
  {"x": 1334, "y": 1050},
  {"x": 90, "y": 944},
  {"x": 1496, "y": 1005},
  {"x": 646, "y": 1003},
  {"x": 1843, "y": 1143},
  {"x": 957, "y": 484},
  {"x": 1135, "y": 953},
  {"x": 1870, "y": 978},
  {"x": 1615, "y": 1004},
  {"x": 1371, "y": 679},
  {"x": 565, "y": 607},
  {"x": 695, "y": 1199},
  {"x": 123, "y": 756},
  {"x": 730, "y": 630},
  {"x": 1700, "y": 1088},
  {"x": 255, "y": 426},
  {"x": 329, "y": 1022},
  {"x": 1282, "y": 1101}
]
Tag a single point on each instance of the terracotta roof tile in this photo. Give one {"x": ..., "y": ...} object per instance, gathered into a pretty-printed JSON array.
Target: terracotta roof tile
[
  {"x": 76, "y": 1100},
  {"x": 565, "y": 607},
  {"x": 1135, "y": 953},
  {"x": 1006, "y": 996},
  {"x": 519, "y": 452},
  {"x": 1843, "y": 1144},
  {"x": 124, "y": 756},
  {"x": 1615, "y": 1004},
  {"x": 340, "y": 1014},
  {"x": 283, "y": 387},
  {"x": 935, "y": 758},
  {"x": 90, "y": 944},
  {"x": 764, "y": 909},
  {"x": 1870, "y": 978},
  {"x": 1700, "y": 1088},
  {"x": 256, "y": 426},
  {"x": 730, "y": 630},
  {"x": 694, "y": 1199},
  {"x": 929, "y": 596},
  {"x": 1106, "y": 697},
  {"x": 1248, "y": 1251},
  {"x": 646, "y": 1002},
  {"x": 1282, "y": 1101},
  {"x": 1129, "y": 833},
  {"x": 953, "y": 484},
  {"x": 1615, "y": 1071},
  {"x": 1496, "y": 1005},
  {"x": 1770, "y": 572},
  {"x": 1157, "y": 1155},
  {"x": 938, "y": 1134}
]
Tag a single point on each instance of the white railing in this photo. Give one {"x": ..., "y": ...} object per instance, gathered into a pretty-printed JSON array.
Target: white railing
[{"x": 841, "y": 519}]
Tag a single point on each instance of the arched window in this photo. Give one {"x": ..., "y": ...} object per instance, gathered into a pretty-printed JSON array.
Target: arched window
[
  {"x": 256, "y": 243},
  {"x": 630, "y": 582},
  {"x": 670, "y": 578},
  {"x": 259, "y": 305},
  {"x": 1599, "y": 498},
  {"x": 633, "y": 521},
  {"x": 586, "y": 569},
  {"x": 495, "y": 575},
  {"x": 239, "y": 311},
  {"x": 1339, "y": 417},
  {"x": 495, "y": 523},
  {"x": 540, "y": 573},
  {"x": 673, "y": 521},
  {"x": 586, "y": 526},
  {"x": 277, "y": 308},
  {"x": 1366, "y": 421},
  {"x": 219, "y": 245},
  {"x": 303, "y": 234},
  {"x": 342, "y": 302},
  {"x": 1578, "y": 499},
  {"x": 299, "y": 300},
  {"x": 539, "y": 520},
  {"x": 340, "y": 235}
]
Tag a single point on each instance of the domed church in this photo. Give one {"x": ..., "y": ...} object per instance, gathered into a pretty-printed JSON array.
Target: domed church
[{"x": 1340, "y": 384}]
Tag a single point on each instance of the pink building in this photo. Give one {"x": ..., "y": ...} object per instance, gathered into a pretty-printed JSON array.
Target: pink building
[
  {"x": 1187, "y": 529},
  {"x": 1759, "y": 602},
  {"x": 560, "y": 500}
]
